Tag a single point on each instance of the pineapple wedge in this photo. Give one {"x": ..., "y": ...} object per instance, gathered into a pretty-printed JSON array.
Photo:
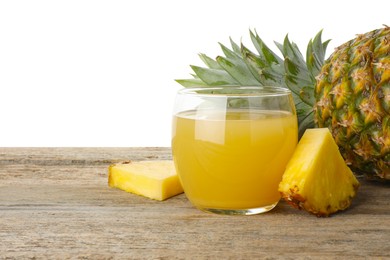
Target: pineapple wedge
[
  {"x": 317, "y": 178},
  {"x": 152, "y": 179}
]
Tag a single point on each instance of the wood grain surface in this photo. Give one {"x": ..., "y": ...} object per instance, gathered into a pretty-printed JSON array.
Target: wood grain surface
[{"x": 55, "y": 204}]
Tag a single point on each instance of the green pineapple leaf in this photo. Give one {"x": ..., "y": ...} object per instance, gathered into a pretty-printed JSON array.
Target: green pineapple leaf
[
  {"x": 296, "y": 76},
  {"x": 307, "y": 95},
  {"x": 254, "y": 63},
  {"x": 214, "y": 77},
  {"x": 280, "y": 46},
  {"x": 266, "y": 53},
  {"x": 269, "y": 75},
  {"x": 188, "y": 83},
  {"x": 212, "y": 64},
  {"x": 305, "y": 115},
  {"x": 305, "y": 122},
  {"x": 238, "y": 70},
  {"x": 229, "y": 53},
  {"x": 267, "y": 67},
  {"x": 297, "y": 73},
  {"x": 235, "y": 47},
  {"x": 236, "y": 67},
  {"x": 315, "y": 55}
]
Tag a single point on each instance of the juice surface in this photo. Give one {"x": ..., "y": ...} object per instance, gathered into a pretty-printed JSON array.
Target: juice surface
[{"x": 232, "y": 159}]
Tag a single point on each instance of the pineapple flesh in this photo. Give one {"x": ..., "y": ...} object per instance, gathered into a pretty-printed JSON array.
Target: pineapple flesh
[
  {"x": 156, "y": 180},
  {"x": 317, "y": 178}
]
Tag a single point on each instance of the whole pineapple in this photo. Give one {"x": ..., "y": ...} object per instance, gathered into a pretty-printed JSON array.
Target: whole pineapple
[
  {"x": 353, "y": 99},
  {"x": 349, "y": 92}
]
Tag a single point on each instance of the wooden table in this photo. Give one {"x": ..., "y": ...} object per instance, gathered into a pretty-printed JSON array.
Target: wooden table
[{"x": 55, "y": 203}]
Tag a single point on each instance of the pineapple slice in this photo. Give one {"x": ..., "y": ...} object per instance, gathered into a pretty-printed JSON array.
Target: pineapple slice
[
  {"x": 317, "y": 178},
  {"x": 152, "y": 179}
]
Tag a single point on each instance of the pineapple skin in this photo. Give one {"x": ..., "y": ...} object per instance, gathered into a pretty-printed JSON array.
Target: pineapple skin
[
  {"x": 316, "y": 178},
  {"x": 353, "y": 100}
]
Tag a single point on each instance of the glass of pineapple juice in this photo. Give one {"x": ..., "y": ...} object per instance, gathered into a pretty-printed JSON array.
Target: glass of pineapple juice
[{"x": 230, "y": 146}]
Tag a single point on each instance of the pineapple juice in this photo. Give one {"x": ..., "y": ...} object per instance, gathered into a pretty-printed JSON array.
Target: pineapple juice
[{"x": 233, "y": 159}]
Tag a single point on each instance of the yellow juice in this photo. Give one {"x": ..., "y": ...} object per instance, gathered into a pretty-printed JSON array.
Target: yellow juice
[{"x": 232, "y": 159}]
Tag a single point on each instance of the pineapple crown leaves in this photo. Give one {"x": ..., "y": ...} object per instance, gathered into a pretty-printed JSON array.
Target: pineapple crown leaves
[{"x": 240, "y": 66}]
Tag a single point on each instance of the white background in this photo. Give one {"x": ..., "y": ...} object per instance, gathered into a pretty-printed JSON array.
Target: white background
[{"x": 101, "y": 73}]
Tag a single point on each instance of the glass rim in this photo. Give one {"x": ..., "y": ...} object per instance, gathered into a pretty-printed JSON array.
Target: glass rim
[{"x": 232, "y": 91}]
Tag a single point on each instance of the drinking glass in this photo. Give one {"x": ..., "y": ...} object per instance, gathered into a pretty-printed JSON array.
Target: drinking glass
[{"x": 230, "y": 146}]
